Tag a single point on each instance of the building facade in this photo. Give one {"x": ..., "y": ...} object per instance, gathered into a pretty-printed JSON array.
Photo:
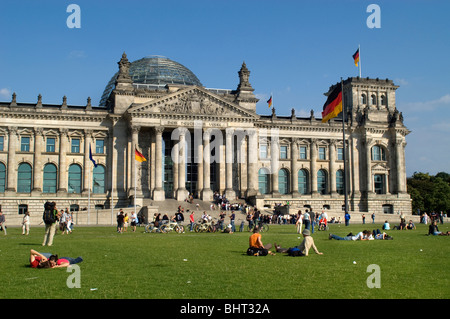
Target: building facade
[{"x": 198, "y": 141}]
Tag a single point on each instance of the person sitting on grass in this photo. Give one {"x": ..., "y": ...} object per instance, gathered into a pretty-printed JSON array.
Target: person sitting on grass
[
  {"x": 434, "y": 230},
  {"x": 303, "y": 248},
  {"x": 256, "y": 247}
]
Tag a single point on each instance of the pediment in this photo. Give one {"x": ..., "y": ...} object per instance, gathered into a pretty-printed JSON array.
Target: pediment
[
  {"x": 191, "y": 101},
  {"x": 380, "y": 167}
]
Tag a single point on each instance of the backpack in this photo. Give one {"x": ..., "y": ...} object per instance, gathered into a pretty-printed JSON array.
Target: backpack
[
  {"x": 294, "y": 252},
  {"x": 48, "y": 216}
]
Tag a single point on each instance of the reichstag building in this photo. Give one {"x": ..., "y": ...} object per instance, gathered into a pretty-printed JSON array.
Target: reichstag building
[{"x": 200, "y": 141}]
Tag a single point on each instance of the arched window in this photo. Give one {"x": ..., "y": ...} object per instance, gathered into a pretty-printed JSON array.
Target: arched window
[
  {"x": 75, "y": 179},
  {"x": 383, "y": 100},
  {"x": 340, "y": 182},
  {"x": 24, "y": 179},
  {"x": 373, "y": 99},
  {"x": 283, "y": 181},
  {"x": 2, "y": 178},
  {"x": 302, "y": 181},
  {"x": 98, "y": 180},
  {"x": 378, "y": 153},
  {"x": 50, "y": 178},
  {"x": 263, "y": 181},
  {"x": 363, "y": 99},
  {"x": 322, "y": 182}
]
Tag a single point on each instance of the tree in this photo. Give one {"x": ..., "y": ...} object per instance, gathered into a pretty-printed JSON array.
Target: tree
[{"x": 429, "y": 193}]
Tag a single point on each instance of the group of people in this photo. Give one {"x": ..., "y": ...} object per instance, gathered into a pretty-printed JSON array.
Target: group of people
[
  {"x": 363, "y": 235},
  {"x": 63, "y": 218},
  {"x": 48, "y": 260},
  {"x": 123, "y": 221},
  {"x": 257, "y": 248}
]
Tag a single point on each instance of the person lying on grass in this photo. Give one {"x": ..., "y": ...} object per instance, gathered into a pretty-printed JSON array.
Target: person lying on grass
[
  {"x": 48, "y": 260},
  {"x": 256, "y": 247},
  {"x": 303, "y": 248}
]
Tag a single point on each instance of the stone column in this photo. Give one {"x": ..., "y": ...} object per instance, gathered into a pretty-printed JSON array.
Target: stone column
[
  {"x": 158, "y": 193},
  {"x": 229, "y": 192},
  {"x": 400, "y": 167},
  {"x": 182, "y": 191},
  {"x": 252, "y": 163},
  {"x": 207, "y": 192},
  {"x": 355, "y": 166},
  {"x": 12, "y": 169},
  {"x": 275, "y": 161},
  {"x": 37, "y": 165},
  {"x": 134, "y": 164},
  {"x": 87, "y": 162},
  {"x": 368, "y": 144},
  {"x": 332, "y": 167},
  {"x": 314, "y": 167},
  {"x": 294, "y": 167},
  {"x": 62, "y": 170},
  {"x": 175, "y": 159},
  {"x": 198, "y": 158}
]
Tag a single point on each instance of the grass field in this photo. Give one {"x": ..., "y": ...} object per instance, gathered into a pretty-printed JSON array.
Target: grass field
[{"x": 214, "y": 265}]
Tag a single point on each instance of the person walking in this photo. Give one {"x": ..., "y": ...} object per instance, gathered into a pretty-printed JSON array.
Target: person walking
[
  {"x": 2, "y": 222},
  {"x": 306, "y": 220},
  {"x": 51, "y": 218},
  {"x": 347, "y": 218},
  {"x": 299, "y": 222},
  {"x": 26, "y": 224}
]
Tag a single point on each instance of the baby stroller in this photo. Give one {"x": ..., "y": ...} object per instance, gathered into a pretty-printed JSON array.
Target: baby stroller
[{"x": 323, "y": 224}]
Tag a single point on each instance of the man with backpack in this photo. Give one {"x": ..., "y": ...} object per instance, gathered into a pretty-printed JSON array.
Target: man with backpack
[{"x": 50, "y": 218}]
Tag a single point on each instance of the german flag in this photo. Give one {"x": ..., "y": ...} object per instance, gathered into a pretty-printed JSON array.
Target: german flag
[
  {"x": 333, "y": 105},
  {"x": 269, "y": 102},
  {"x": 138, "y": 156},
  {"x": 356, "y": 57}
]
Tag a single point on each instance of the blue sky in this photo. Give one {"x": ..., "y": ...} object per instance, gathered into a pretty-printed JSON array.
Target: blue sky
[{"x": 294, "y": 49}]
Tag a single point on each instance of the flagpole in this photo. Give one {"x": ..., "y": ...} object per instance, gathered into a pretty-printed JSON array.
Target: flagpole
[
  {"x": 89, "y": 192},
  {"x": 135, "y": 177},
  {"x": 112, "y": 200},
  {"x": 345, "y": 146},
  {"x": 359, "y": 50}
]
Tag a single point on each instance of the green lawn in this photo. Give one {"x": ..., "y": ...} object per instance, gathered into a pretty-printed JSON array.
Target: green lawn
[{"x": 214, "y": 265}]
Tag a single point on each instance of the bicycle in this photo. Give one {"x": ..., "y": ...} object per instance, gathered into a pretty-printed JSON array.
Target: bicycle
[
  {"x": 168, "y": 227},
  {"x": 263, "y": 227},
  {"x": 202, "y": 226}
]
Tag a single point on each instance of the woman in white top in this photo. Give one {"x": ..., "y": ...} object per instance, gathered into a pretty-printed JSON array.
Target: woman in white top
[
  {"x": 26, "y": 224},
  {"x": 299, "y": 222}
]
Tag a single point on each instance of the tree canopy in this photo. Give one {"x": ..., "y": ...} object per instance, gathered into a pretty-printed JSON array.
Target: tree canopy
[{"x": 429, "y": 193}]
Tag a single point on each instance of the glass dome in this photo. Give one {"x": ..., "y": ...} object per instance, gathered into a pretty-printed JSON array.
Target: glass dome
[{"x": 156, "y": 70}]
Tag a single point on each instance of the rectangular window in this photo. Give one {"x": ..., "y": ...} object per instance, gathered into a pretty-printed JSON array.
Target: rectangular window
[
  {"x": 25, "y": 144},
  {"x": 263, "y": 151},
  {"x": 340, "y": 154},
  {"x": 2, "y": 143},
  {"x": 51, "y": 142},
  {"x": 303, "y": 154},
  {"x": 99, "y": 146},
  {"x": 75, "y": 145},
  {"x": 23, "y": 209},
  {"x": 322, "y": 153},
  {"x": 379, "y": 183},
  {"x": 283, "y": 152}
]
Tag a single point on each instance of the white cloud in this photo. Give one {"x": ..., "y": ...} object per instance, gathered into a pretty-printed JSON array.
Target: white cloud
[
  {"x": 427, "y": 105},
  {"x": 77, "y": 54},
  {"x": 5, "y": 93},
  {"x": 401, "y": 82}
]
